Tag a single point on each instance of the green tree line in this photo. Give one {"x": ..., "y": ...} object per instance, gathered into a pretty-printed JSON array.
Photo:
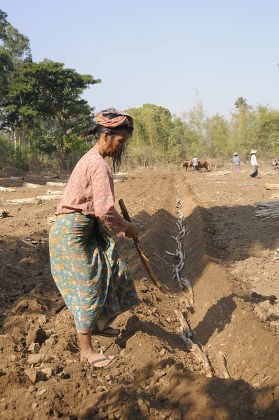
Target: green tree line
[
  {"x": 162, "y": 137},
  {"x": 42, "y": 113}
]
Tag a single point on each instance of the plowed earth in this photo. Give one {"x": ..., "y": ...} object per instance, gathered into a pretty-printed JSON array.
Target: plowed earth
[{"x": 232, "y": 263}]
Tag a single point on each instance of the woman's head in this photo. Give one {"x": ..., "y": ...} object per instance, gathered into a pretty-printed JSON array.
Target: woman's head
[
  {"x": 113, "y": 120},
  {"x": 111, "y": 130},
  {"x": 110, "y": 121}
]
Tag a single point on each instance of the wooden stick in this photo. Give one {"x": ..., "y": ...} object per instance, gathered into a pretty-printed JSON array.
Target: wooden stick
[
  {"x": 223, "y": 361},
  {"x": 184, "y": 324},
  {"x": 143, "y": 256},
  {"x": 198, "y": 352}
]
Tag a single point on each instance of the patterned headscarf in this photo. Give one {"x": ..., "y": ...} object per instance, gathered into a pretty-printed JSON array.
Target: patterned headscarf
[{"x": 121, "y": 119}]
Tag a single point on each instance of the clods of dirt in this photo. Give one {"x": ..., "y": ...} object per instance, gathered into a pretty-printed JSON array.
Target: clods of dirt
[{"x": 231, "y": 264}]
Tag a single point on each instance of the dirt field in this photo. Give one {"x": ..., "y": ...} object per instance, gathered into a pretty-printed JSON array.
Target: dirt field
[{"x": 231, "y": 261}]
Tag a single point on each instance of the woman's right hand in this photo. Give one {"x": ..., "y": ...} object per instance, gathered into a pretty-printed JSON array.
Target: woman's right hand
[{"x": 131, "y": 231}]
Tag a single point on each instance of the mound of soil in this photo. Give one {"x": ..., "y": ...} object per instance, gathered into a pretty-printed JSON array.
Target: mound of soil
[{"x": 231, "y": 264}]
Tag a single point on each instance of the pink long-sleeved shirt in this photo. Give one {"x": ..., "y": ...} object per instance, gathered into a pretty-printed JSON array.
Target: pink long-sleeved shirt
[{"x": 90, "y": 190}]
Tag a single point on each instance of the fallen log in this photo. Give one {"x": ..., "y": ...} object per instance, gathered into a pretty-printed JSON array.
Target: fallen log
[
  {"x": 268, "y": 209},
  {"x": 34, "y": 200},
  {"x": 51, "y": 176},
  {"x": 30, "y": 200},
  {"x": 7, "y": 189},
  {"x": 56, "y": 184},
  {"x": 54, "y": 192},
  {"x": 16, "y": 177},
  {"x": 267, "y": 203},
  {"x": 30, "y": 185}
]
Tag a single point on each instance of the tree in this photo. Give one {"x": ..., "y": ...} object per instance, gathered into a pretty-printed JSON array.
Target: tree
[
  {"x": 182, "y": 140},
  {"x": 13, "y": 42},
  {"x": 6, "y": 68},
  {"x": 48, "y": 93},
  {"x": 217, "y": 135},
  {"x": 243, "y": 127},
  {"x": 152, "y": 124},
  {"x": 3, "y": 23},
  {"x": 268, "y": 131},
  {"x": 14, "y": 49},
  {"x": 196, "y": 119},
  {"x": 16, "y": 44},
  {"x": 241, "y": 103}
]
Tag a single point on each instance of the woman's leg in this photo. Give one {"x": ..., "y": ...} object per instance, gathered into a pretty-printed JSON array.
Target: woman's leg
[
  {"x": 87, "y": 354},
  {"x": 70, "y": 272}
]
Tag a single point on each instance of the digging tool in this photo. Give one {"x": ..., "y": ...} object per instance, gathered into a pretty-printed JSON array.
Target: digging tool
[{"x": 143, "y": 256}]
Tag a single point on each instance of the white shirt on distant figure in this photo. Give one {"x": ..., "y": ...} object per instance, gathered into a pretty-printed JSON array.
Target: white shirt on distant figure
[
  {"x": 195, "y": 161},
  {"x": 236, "y": 160},
  {"x": 254, "y": 161}
]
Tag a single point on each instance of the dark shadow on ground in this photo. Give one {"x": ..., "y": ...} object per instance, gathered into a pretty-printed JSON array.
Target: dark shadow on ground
[
  {"x": 239, "y": 234},
  {"x": 134, "y": 325},
  {"x": 173, "y": 392},
  {"x": 224, "y": 235},
  {"x": 220, "y": 314}
]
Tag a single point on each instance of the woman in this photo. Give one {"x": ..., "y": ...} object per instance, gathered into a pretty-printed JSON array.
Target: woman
[
  {"x": 236, "y": 163},
  {"x": 91, "y": 278}
]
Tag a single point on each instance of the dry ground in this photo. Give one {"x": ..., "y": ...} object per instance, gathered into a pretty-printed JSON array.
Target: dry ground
[{"x": 232, "y": 263}]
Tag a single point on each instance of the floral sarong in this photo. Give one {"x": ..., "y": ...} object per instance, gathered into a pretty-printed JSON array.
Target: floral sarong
[{"x": 87, "y": 271}]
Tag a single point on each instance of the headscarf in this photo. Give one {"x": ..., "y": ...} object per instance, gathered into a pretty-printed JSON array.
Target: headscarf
[{"x": 121, "y": 119}]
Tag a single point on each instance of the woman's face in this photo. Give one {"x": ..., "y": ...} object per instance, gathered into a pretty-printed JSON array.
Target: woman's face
[{"x": 114, "y": 143}]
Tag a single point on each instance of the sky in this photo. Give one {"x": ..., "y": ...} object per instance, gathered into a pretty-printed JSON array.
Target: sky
[{"x": 172, "y": 53}]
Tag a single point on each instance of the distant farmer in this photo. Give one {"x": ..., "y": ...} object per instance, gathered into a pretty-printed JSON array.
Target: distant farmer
[
  {"x": 93, "y": 281},
  {"x": 254, "y": 164},
  {"x": 195, "y": 163},
  {"x": 236, "y": 163}
]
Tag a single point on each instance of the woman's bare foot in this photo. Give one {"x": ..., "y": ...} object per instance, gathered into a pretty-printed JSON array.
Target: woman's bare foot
[
  {"x": 97, "y": 359},
  {"x": 87, "y": 354}
]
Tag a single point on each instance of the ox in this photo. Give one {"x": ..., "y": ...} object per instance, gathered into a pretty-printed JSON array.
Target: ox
[
  {"x": 275, "y": 164},
  {"x": 202, "y": 164},
  {"x": 185, "y": 164}
]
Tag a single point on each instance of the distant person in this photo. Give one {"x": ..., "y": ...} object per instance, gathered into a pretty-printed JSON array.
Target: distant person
[
  {"x": 254, "y": 164},
  {"x": 195, "y": 163},
  {"x": 236, "y": 163}
]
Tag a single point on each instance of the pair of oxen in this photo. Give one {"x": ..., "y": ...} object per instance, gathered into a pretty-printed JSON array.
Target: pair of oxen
[{"x": 202, "y": 164}]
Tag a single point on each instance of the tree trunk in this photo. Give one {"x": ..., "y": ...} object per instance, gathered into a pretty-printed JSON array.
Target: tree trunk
[{"x": 15, "y": 140}]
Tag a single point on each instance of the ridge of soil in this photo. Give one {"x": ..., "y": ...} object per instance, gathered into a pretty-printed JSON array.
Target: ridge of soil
[{"x": 154, "y": 377}]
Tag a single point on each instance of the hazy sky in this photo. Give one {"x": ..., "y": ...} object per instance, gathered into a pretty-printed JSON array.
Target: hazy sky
[{"x": 171, "y": 53}]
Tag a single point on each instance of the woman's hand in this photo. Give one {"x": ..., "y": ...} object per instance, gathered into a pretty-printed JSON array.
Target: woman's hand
[{"x": 131, "y": 231}]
